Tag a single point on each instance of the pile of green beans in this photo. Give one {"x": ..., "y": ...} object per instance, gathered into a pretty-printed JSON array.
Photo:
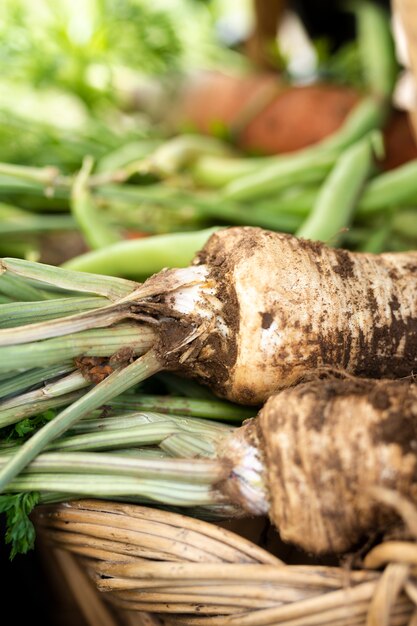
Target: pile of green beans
[{"x": 179, "y": 189}]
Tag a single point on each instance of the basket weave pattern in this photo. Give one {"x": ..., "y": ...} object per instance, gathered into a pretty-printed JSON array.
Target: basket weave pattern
[{"x": 185, "y": 572}]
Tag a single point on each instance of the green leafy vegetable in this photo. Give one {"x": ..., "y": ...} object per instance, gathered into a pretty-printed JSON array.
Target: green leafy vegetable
[{"x": 20, "y": 531}]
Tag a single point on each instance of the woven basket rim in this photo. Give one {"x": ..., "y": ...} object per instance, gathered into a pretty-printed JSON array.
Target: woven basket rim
[{"x": 191, "y": 572}]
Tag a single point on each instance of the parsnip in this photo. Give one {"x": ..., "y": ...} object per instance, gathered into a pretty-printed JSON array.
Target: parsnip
[
  {"x": 315, "y": 453},
  {"x": 258, "y": 309},
  {"x": 274, "y": 307}
]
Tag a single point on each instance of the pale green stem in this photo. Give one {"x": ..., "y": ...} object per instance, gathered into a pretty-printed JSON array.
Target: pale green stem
[
  {"x": 48, "y": 176},
  {"x": 12, "y": 416},
  {"x": 107, "y": 286},
  {"x": 22, "y": 313},
  {"x": 175, "y": 493},
  {"x": 176, "y": 153},
  {"x": 115, "y": 384},
  {"x": 143, "y": 257},
  {"x": 49, "y": 396},
  {"x": 99, "y": 342},
  {"x": 333, "y": 210},
  {"x": 142, "y": 435},
  {"x": 190, "y": 424},
  {"x": 94, "y": 229},
  {"x": 183, "y": 445},
  {"x": 17, "y": 289},
  {"x": 19, "y": 382},
  {"x": 213, "y": 409},
  {"x": 196, "y": 471}
]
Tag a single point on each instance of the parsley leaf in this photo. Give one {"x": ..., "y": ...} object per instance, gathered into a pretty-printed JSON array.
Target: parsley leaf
[{"x": 20, "y": 531}]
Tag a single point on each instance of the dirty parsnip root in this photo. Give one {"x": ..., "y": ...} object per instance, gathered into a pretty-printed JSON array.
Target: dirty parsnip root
[
  {"x": 318, "y": 455},
  {"x": 318, "y": 460},
  {"x": 255, "y": 312}
]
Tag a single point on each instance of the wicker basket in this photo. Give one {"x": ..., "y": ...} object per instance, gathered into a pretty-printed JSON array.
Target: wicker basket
[{"x": 155, "y": 567}]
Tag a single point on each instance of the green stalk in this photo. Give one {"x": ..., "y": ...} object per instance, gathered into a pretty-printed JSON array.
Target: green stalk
[
  {"x": 49, "y": 396},
  {"x": 94, "y": 229},
  {"x": 174, "y": 493},
  {"x": 142, "y": 435},
  {"x": 107, "y": 286},
  {"x": 183, "y": 445},
  {"x": 17, "y": 289},
  {"x": 376, "y": 45},
  {"x": 15, "y": 314},
  {"x": 47, "y": 176},
  {"x": 175, "y": 154},
  {"x": 336, "y": 202},
  {"x": 33, "y": 407},
  {"x": 390, "y": 189},
  {"x": 213, "y": 409},
  {"x": 298, "y": 168},
  {"x": 197, "y": 471},
  {"x": 15, "y": 221},
  {"x": 141, "y": 258},
  {"x": 100, "y": 342},
  {"x": 115, "y": 384},
  {"x": 214, "y": 171},
  {"x": 200, "y": 427},
  {"x": 20, "y": 382}
]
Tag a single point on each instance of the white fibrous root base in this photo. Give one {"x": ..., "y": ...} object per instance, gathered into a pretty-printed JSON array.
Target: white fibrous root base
[
  {"x": 246, "y": 482},
  {"x": 198, "y": 297}
]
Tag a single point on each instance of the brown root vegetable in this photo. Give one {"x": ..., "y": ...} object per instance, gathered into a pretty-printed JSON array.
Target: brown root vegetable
[
  {"x": 274, "y": 307},
  {"x": 263, "y": 114},
  {"x": 315, "y": 454}
]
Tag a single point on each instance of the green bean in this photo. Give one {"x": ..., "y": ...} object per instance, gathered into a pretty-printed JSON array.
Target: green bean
[
  {"x": 369, "y": 114},
  {"x": 376, "y": 45},
  {"x": 390, "y": 189},
  {"x": 174, "y": 154},
  {"x": 404, "y": 223},
  {"x": 122, "y": 156},
  {"x": 263, "y": 176},
  {"x": 377, "y": 241},
  {"x": 295, "y": 169},
  {"x": 212, "y": 171},
  {"x": 337, "y": 199},
  {"x": 142, "y": 257},
  {"x": 14, "y": 221},
  {"x": 94, "y": 229}
]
